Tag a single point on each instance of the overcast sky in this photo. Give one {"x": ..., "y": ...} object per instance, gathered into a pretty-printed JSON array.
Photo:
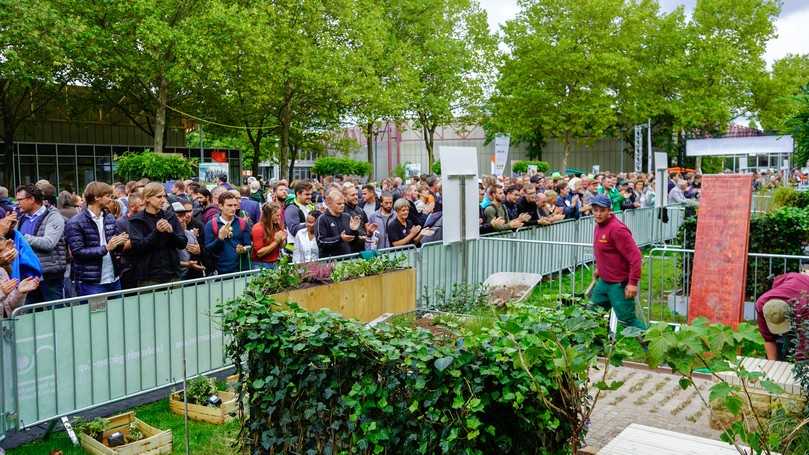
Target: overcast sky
[{"x": 791, "y": 26}]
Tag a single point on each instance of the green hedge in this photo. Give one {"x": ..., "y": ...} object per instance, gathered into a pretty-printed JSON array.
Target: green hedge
[
  {"x": 436, "y": 168},
  {"x": 789, "y": 197},
  {"x": 332, "y": 165},
  {"x": 783, "y": 231},
  {"x": 521, "y": 167},
  {"x": 154, "y": 166},
  {"x": 317, "y": 383}
]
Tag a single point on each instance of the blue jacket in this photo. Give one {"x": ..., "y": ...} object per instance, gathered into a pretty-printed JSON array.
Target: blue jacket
[
  {"x": 81, "y": 233},
  {"x": 27, "y": 263},
  {"x": 224, "y": 251}
]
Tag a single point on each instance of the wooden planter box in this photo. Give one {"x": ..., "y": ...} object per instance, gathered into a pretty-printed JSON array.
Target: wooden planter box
[
  {"x": 202, "y": 413},
  {"x": 363, "y": 299},
  {"x": 154, "y": 441}
]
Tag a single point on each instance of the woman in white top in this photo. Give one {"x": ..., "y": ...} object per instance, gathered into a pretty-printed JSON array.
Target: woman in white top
[{"x": 305, "y": 242}]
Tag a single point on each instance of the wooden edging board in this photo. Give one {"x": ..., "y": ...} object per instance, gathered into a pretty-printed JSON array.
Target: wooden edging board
[
  {"x": 154, "y": 441},
  {"x": 210, "y": 414}
]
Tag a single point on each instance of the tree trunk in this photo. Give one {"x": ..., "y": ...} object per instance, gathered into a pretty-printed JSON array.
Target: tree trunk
[
  {"x": 160, "y": 115},
  {"x": 429, "y": 133},
  {"x": 283, "y": 150},
  {"x": 256, "y": 143},
  {"x": 369, "y": 136},
  {"x": 8, "y": 150},
  {"x": 566, "y": 154},
  {"x": 293, "y": 156}
]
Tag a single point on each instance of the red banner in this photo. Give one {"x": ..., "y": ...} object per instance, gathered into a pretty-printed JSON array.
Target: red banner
[{"x": 719, "y": 275}]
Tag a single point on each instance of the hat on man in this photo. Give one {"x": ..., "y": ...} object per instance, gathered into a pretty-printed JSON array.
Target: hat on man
[
  {"x": 775, "y": 315},
  {"x": 601, "y": 201},
  {"x": 178, "y": 207}
]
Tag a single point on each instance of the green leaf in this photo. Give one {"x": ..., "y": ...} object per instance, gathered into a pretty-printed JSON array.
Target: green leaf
[
  {"x": 615, "y": 385},
  {"x": 719, "y": 391},
  {"x": 685, "y": 383},
  {"x": 772, "y": 387},
  {"x": 442, "y": 363}
]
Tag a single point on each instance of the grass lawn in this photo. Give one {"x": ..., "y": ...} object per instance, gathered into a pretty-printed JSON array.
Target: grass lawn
[
  {"x": 204, "y": 438},
  {"x": 573, "y": 284}
]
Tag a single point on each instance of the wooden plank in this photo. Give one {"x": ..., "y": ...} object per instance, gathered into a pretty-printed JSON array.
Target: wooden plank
[
  {"x": 643, "y": 440},
  {"x": 214, "y": 415}
]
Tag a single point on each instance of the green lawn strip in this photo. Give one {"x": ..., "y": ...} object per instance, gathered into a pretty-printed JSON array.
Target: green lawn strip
[
  {"x": 204, "y": 438},
  {"x": 666, "y": 278}
]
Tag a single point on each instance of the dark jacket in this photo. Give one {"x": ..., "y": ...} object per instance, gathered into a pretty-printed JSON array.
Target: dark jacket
[
  {"x": 327, "y": 232},
  {"x": 224, "y": 251},
  {"x": 81, "y": 233},
  {"x": 294, "y": 218},
  {"x": 154, "y": 252},
  {"x": 524, "y": 206},
  {"x": 251, "y": 208},
  {"x": 358, "y": 244}
]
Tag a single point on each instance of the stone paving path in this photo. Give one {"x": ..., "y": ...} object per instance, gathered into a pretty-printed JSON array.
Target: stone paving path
[{"x": 649, "y": 398}]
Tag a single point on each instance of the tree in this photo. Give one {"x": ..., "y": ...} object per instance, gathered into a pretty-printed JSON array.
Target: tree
[
  {"x": 775, "y": 93},
  {"x": 565, "y": 60},
  {"x": 128, "y": 55},
  {"x": 452, "y": 56},
  {"x": 34, "y": 42},
  {"x": 798, "y": 127}
]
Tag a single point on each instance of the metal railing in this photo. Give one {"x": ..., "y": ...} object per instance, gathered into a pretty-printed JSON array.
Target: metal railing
[
  {"x": 668, "y": 280},
  {"x": 63, "y": 357}
]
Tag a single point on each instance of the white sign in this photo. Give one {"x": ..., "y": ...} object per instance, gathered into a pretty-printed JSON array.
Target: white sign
[
  {"x": 459, "y": 161},
  {"x": 743, "y": 163},
  {"x": 596, "y": 169},
  {"x": 756, "y": 145},
  {"x": 501, "y": 143},
  {"x": 661, "y": 179}
]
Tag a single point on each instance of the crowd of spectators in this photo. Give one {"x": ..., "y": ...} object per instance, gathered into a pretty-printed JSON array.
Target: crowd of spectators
[{"x": 142, "y": 233}]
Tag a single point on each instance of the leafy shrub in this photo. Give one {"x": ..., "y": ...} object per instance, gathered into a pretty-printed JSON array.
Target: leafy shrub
[
  {"x": 154, "y": 166},
  {"x": 789, "y": 197},
  {"x": 399, "y": 171},
  {"x": 436, "y": 168},
  {"x": 199, "y": 389},
  {"x": 332, "y": 165},
  {"x": 784, "y": 231},
  {"x": 462, "y": 298},
  {"x": 715, "y": 347},
  {"x": 347, "y": 270},
  {"x": 283, "y": 277},
  {"x": 521, "y": 167},
  {"x": 93, "y": 428},
  {"x": 323, "y": 384}
]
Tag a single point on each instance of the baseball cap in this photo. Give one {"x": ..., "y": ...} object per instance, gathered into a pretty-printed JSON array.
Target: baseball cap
[
  {"x": 178, "y": 207},
  {"x": 775, "y": 315},
  {"x": 601, "y": 201}
]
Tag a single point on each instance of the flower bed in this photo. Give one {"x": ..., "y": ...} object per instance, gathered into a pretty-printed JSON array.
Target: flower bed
[{"x": 201, "y": 406}]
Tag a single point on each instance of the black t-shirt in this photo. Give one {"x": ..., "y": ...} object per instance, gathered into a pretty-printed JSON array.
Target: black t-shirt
[{"x": 396, "y": 231}]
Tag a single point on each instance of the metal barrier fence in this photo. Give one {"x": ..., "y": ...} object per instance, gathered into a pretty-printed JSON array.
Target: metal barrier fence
[
  {"x": 63, "y": 357},
  {"x": 668, "y": 280},
  {"x": 761, "y": 202}
]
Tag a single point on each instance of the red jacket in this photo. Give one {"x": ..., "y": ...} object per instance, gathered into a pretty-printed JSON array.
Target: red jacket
[{"x": 618, "y": 258}]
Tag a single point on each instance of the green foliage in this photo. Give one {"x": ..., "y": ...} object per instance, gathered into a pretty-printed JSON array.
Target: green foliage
[
  {"x": 785, "y": 196},
  {"x": 461, "y": 298},
  {"x": 713, "y": 164},
  {"x": 93, "y": 428},
  {"x": 715, "y": 347},
  {"x": 199, "y": 389},
  {"x": 347, "y": 270},
  {"x": 331, "y": 165},
  {"x": 321, "y": 383},
  {"x": 134, "y": 433},
  {"x": 784, "y": 231},
  {"x": 436, "y": 168},
  {"x": 399, "y": 171},
  {"x": 776, "y": 93},
  {"x": 159, "y": 167},
  {"x": 798, "y": 127},
  {"x": 283, "y": 277},
  {"x": 521, "y": 167}
]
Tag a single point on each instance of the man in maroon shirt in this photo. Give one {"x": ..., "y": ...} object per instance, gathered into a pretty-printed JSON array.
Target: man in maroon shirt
[
  {"x": 618, "y": 264},
  {"x": 772, "y": 308}
]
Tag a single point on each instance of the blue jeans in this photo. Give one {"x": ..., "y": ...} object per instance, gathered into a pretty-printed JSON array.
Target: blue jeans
[
  {"x": 263, "y": 265},
  {"x": 95, "y": 288}
]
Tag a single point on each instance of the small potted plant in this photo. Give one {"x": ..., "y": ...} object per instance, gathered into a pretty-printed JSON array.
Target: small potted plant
[
  {"x": 121, "y": 434},
  {"x": 205, "y": 403}
]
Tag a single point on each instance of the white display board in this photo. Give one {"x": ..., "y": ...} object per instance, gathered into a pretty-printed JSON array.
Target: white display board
[
  {"x": 501, "y": 144},
  {"x": 459, "y": 161},
  {"x": 756, "y": 145},
  {"x": 661, "y": 179}
]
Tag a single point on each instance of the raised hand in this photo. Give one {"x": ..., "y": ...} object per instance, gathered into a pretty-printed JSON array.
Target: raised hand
[
  {"x": 224, "y": 232},
  {"x": 8, "y": 254},
  {"x": 193, "y": 248},
  {"x": 355, "y": 223},
  {"x": 280, "y": 236},
  {"x": 29, "y": 284},
  {"x": 346, "y": 237},
  {"x": 8, "y": 222},
  {"x": 8, "y": 286}
]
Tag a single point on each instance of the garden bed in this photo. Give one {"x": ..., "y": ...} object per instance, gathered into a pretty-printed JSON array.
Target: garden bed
[
  {"x": 212, "y": 414},
  {"x": 153, "y": 442}
]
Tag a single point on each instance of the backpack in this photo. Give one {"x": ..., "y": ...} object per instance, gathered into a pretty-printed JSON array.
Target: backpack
[{"x": 215, "y": 226}]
